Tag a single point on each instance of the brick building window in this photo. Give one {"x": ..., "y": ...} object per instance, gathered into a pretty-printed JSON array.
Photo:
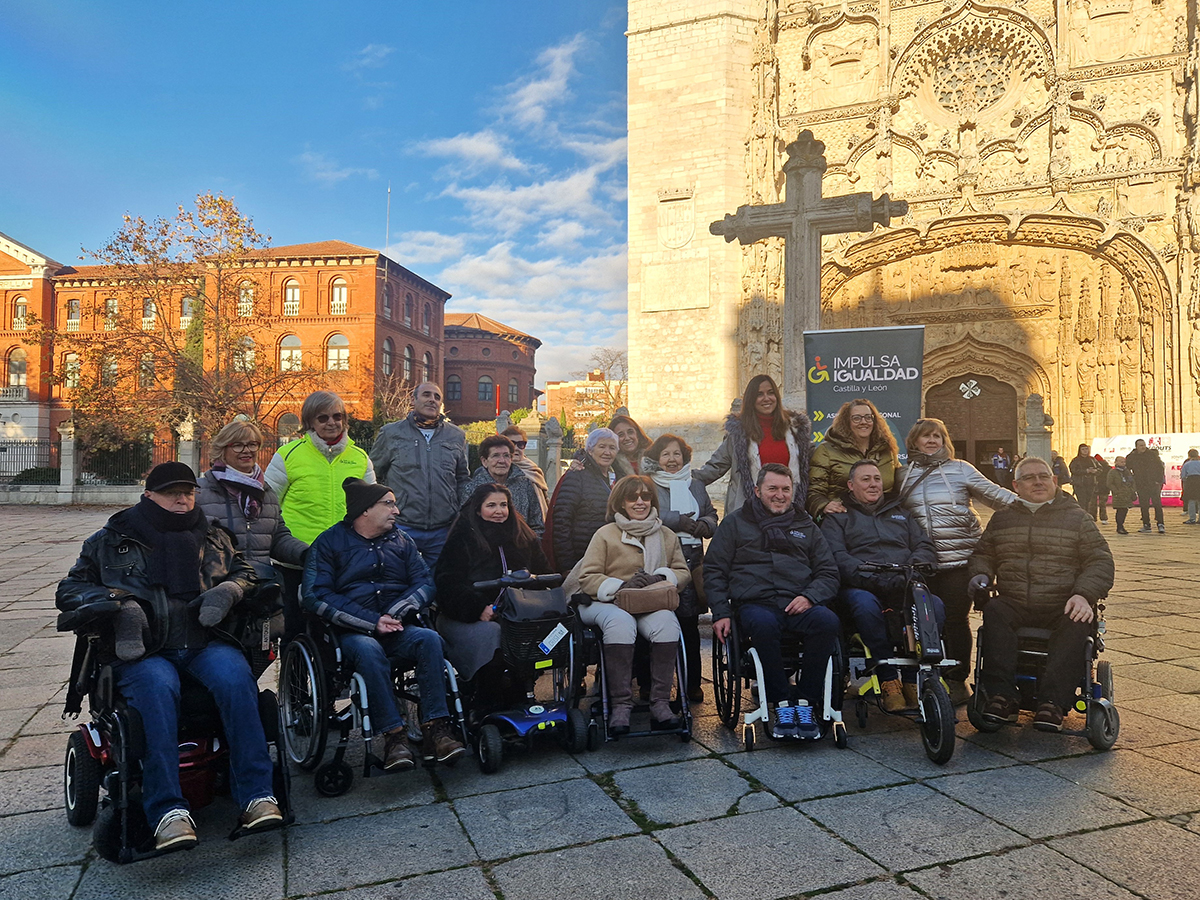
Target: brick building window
[
  {"x": 71, "y": 370},
  {"x": 291, "y": 298},
  {"x": 337, "y": 297},
  {"x": 387, "y": 357},
  {"x": 337, "y": 353},
  {"x": 112, "y": 310},
  {"x": 408, "y": 364},
  {"x": 427, "y": 367},
  {"x": 185, "y": 313},
  {"x": 487, "y": 390},
  {"x": 453, "y": 389},
  {"x": 149, "y": 314},
  {"x": 288, "y": 426},
  {"x": 243, "y": 355},
  {"x": 388, "y": 311},
  {"x": 20, "y": 314},
  {"x": 290, "y": 359},
  {"x": 245, "y": 304},
  {"x": 72, "y": 315},
  {"x": 408, "y": 310},
  {"x": 17, "y": 367},
  {"x": 108, "y": 371},
  {"x": 146, "y": 371},
  {"x": 514, "y": 392},
  {"x": 427, "y": 319}
]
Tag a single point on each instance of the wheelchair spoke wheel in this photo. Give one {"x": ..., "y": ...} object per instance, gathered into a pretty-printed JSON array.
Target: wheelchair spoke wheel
[
  {"x": 727, "y": 687},
  {"x": 302, "y": 692},
  {"x": 937, "y": 729},
  {"x": 81, "y": 781},
  {"x": 1103, "y": 725}
]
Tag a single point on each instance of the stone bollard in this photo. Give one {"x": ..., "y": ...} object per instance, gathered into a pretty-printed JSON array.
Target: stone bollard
[
  {"x": 553, "y": 437},
  {"x": 66, "y": 463},
  {"x": 189, "y": 447}
]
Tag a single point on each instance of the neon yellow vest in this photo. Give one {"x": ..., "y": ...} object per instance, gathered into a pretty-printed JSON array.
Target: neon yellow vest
[{"x": 315, "y": 500}]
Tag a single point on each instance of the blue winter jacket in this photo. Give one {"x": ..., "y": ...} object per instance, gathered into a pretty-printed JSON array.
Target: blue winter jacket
[{"x": 352, "y": 581}]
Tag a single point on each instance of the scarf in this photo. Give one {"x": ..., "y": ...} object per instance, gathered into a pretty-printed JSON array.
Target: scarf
[
  {"x": 328, "y": 450},
  {"x": 929, "y": 459},
  {"x": 1034, "y": 507},
  {"x": 774, "y": 527},
  {"x": 175, "y": 541},
  {"x": 682, "y": 501},
  {"x": 652, "y": 551},
  {"x": 246, "y": 489}
]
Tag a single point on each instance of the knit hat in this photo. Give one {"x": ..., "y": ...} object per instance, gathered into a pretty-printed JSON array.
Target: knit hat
[
  {"x": 361, "y": 496},
  {"x": 164, "y": 475}
]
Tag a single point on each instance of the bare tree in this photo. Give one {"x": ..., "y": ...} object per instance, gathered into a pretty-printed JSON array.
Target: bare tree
[{"x": 610, "y": 371}]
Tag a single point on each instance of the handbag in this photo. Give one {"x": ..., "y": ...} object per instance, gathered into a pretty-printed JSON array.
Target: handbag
[{"x": 636, "y": 601}]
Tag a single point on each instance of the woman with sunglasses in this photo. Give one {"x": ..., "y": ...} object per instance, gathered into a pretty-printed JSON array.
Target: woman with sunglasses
[
  {"x": 858, "y": 432},
  {"x": 307, "y": 473},
  {"x": 634, "y": 550}
]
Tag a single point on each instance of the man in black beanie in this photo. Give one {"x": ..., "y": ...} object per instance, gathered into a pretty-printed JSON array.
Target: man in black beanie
[
  {"x": 177, "y": 575},
  {"x": 365, "y": 577}
]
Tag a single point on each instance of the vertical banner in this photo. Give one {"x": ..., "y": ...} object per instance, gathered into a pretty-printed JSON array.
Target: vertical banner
[{"x": 882, "y": 364}]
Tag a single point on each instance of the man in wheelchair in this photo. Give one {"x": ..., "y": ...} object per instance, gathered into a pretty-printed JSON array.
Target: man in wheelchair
[
  {"x": 365, "y": 576},
  {"x": 180, "y": 575},
  {"x": 770, "y": 558},
  {"x": 876, "y": 529},
  {"x": 1051, "y": 566}
]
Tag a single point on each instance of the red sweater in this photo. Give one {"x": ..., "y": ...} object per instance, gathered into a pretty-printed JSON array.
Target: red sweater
[{"x": 771, "y": 450}]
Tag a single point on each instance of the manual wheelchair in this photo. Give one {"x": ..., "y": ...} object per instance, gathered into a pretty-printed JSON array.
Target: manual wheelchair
[
  {"x": 107, "y": 750},
  {"x": 741, "y": 668},
  {"x": 319, "y": 692},
  {"x": 918, "y": 647},
  {"x": 1095, "y": 695}
]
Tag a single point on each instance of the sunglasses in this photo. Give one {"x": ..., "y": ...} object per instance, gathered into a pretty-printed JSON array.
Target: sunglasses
[
  {"x": 640, "y": 495},
  {"x": 325, "y": 417},
  {"x": 520, "y": 445}
]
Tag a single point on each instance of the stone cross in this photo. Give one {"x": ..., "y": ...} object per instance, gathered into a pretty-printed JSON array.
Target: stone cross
[{"x": 801, "y": 219}]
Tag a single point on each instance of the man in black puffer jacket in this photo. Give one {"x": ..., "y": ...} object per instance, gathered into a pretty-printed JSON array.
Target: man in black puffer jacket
[{"x": 1052, "y": 566}]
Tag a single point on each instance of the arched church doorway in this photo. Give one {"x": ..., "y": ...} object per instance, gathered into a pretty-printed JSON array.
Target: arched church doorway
[{"x": 981, "y": 414}]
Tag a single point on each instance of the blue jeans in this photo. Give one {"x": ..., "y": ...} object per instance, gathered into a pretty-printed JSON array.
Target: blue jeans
[
  {"x": 864, "y": 608},
  {"x": 430, "y": 542},
  {"x": 371, "y": 655},
  {"x": 151, "y": 686},
  {"x": 820, "y": 630}
]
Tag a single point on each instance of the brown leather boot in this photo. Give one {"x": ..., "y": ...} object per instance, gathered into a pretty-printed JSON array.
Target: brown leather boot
[
  {"x": 618, "y": 672},
  {"x": 662, "y": 679},
  {"x": 440, "y": 742},
  {"x": 396, "y": 752}
]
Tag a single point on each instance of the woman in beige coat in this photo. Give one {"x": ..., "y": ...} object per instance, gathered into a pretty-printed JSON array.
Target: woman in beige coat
[{"x": 634, "y": 550}]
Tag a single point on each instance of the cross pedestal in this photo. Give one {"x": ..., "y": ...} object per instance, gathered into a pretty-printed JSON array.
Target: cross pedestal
[{"x": 801, "y": 219}]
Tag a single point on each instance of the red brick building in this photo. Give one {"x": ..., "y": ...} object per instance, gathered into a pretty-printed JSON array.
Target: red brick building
[{"x": 489, "y": 367}]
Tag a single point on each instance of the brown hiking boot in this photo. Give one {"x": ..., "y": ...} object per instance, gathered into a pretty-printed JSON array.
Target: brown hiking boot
[
  {"x": 1001, "y": 710},
  {"x": 891, "y": 695},
  {"x": 396, "y": 752},
  {"x": 440, "y": 742},
  {"x": 910, "y": 695},
  {"x": 1049, "y": 717}
]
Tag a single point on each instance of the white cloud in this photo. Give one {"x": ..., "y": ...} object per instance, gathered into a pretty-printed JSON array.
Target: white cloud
[
  {"x": 483, "y": 149},
  {"x": 325, "y": 170},
  {"x": 562, "y": 234},
  {"x": 529, "y": 98},
  {"x": 604, "y": 153},
  {"x": 508, "y": 208},
  {"x": 371, "y": 56},
  {"x": 417, "y": 247}
]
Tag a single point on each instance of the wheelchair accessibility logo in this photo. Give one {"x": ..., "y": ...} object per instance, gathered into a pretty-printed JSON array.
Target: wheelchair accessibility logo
[{"x": 818, "y": 372}]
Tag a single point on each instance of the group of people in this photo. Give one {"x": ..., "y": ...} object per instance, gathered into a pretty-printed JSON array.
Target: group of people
[{"x": 368, "y": 541}]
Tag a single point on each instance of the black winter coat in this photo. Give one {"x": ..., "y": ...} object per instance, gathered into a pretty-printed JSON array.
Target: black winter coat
[
  {"x": 579, "y": 510},
  {"x": 739, "y": 567},
  {"x": 889, "y": 535},
  {"x": 1041, "y": 559},
  {"x": 462, "y": 563},
  {"x": 1147, "y": 468}
]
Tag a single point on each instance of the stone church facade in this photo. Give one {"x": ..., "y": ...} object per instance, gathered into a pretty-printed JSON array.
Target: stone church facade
[{"x": 1049, "y": 154}]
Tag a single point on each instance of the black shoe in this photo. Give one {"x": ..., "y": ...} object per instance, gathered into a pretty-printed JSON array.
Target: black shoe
[
  {"x": 1001, "y": 710},
  {"x": 1122, "y": 531},
  {"x": 1049, "y": 717},
  {"x": 671, "y": 724}
]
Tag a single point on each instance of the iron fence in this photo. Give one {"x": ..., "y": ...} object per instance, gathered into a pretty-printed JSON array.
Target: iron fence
[
  {"x": 29, "y": 462},
  {"x": 123, "y": 465}
]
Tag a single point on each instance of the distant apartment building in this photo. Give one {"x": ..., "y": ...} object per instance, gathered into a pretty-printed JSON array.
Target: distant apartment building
[{"x": 584, "y": 401}]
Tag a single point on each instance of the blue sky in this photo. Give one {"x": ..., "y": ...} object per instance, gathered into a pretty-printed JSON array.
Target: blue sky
[{"x": 500, "y": 126}]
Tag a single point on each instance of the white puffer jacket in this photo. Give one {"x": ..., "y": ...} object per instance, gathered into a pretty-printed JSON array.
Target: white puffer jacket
[{"x": 941, "y": 502}]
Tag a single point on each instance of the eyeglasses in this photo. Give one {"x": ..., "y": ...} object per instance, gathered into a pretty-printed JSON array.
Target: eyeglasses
[
  {"x": 520, "y": 445},
  {"x": 863, "y": 418},
  {"x": 388, "y": 503},
  {"x": 325, "y": 417},
  {"x": 252, "y": 446},
  {"x": 1041, "y": 476}
]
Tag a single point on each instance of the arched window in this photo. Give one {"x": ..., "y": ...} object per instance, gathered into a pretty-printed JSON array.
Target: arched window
[
  {"x": 245, "y": 305},
  {"x": 408, "y": 310},
  {"x": 287, "y": 426},
  {"x": 243, "y": 355},
  {"x": 427, "y": 367},
  {"x": 514, "y": 392},
  {"x": 408, "y": 364},
  {"x": 337, "y": 353},
  {"x": 487, "y": 390},
  {"x": 20, "y": 314},
  {"x": 388, "y": 312},
  {"x": 17, "y": 364},
  {"x": 146, "y": 371},
  {"x": 149, "y": 314},
  {"x": 337, "y": 297},
  {"x": 453, "y": 388},
  {"x": 108, "y": 371},
  {"x": 71, "y": 370},
  {"x": 289, "y": 354},
  {"x": 427, "y": 319},
  {"x": 291, "y": 298},
  {"x": 185, "y": 313},
  {"x": 387, "y": 357}
]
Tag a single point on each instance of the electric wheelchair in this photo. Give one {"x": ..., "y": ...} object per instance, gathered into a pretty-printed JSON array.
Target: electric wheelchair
[
  {"x": 106, "y": 751},
  {"x": 1095, "y": 694},
  {"x": 737, "y": 667},
  {"x": 319, "y": 692},
  {"x": 918, "y": 647}
]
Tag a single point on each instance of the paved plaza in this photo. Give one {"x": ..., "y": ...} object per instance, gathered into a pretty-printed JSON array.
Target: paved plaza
[{"x": 1018, "y": 814}]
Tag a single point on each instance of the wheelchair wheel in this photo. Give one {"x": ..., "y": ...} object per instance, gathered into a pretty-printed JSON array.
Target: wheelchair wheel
[
  {"x": 106, "y": 833},
  {"x": 937, "y": 731},
  {"x": 748, "y": 737},
  {"x": 489, "y": 749},
  {"x": 594, "y": 737},
  {"x": 302, "y": 689},
  {"x": 975, "y": 716},
  {"x": 1104, "y": 678},
  {"x": 727, "y": 687},
  {"x": 1103, "y": 725},
  {"x": 860, "y": 711},
  {"x": 81, "y": 781},
  {"x": 333, "y": 779},
  {"x": 575, "y": 731}
]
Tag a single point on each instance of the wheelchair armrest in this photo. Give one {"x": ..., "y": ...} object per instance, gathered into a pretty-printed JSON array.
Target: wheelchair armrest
[{"x": 74, "y": 619}]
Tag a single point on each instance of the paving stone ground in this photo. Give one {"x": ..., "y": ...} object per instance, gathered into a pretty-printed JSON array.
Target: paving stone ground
[{"x": 1018, "y": 814}]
